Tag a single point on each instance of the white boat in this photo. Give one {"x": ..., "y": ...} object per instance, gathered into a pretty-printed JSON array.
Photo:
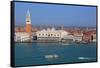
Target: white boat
[{"x": 51, "y": 56}]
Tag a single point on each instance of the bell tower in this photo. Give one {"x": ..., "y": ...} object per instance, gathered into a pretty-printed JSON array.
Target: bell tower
[{"x": 28, "y": 23}]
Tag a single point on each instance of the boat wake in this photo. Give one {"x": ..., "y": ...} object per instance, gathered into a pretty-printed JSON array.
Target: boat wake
[{"x": 84, "y": 58}]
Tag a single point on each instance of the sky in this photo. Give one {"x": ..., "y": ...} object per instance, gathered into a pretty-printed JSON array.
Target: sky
[{"x": 55, "y": 15}]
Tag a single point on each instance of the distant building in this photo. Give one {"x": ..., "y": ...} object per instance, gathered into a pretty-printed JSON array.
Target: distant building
[
  {"x": 68, "y": 38},
  {"x": 51, "y": 34},
  {"x": 21, "y": 37},
  {"x": 19, "y": 29},
  {"x": 77, "y": 37},
  {"x": 94, "y": 38},
  {"x": 88, "y": 36}
]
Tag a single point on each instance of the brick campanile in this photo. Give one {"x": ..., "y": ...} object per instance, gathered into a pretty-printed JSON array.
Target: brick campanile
[{"x": 28, "y": 23}]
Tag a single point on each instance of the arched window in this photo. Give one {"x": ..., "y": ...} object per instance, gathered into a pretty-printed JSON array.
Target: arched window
[
  {"x": 51, "y": 34},
  {"x": 43, "y": 34},
  {"x": 39, "y": 34},
  {"x": 46, "y": 34}
]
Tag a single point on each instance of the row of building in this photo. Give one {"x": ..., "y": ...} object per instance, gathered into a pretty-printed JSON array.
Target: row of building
[
  {"x": 28, "y": 34},
  {"x": 55, "y": 35}
]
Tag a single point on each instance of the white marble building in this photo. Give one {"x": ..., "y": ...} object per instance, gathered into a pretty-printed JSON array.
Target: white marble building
[
  {"x": 78, "y": 37},
  {"x": 21, "y": 37},
  {"x": 94, "y": 38},
  {"x": 68, "y": 38},
  {"x": 51, "y": 34}
]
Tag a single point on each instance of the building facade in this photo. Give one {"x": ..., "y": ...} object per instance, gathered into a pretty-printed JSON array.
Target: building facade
[
  {"x": 22, "y": 37},
  {"x": 77, "y": 37},
  {"x": 68, "y": 38},
  {"x": 51, "y": 34}
]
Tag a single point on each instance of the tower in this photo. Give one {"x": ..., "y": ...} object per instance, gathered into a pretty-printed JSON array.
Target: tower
[{"x": 28, "y": 23}]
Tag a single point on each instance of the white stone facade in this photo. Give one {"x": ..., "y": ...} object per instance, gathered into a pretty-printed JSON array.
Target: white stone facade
[
  {"x": 78, "y": 37},
  {"x": 51, "y": 34},
  {"x": 94, "y": 38},
  {"x": 21, "y": 37},
  {"x": 68, "y": 38}
]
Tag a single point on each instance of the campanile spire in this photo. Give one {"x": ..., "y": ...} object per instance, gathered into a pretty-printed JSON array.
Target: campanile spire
[{"x": 28, "y": 17}]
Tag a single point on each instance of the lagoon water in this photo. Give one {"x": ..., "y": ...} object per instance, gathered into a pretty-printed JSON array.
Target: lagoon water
[{"x": 34, "y": 53}]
